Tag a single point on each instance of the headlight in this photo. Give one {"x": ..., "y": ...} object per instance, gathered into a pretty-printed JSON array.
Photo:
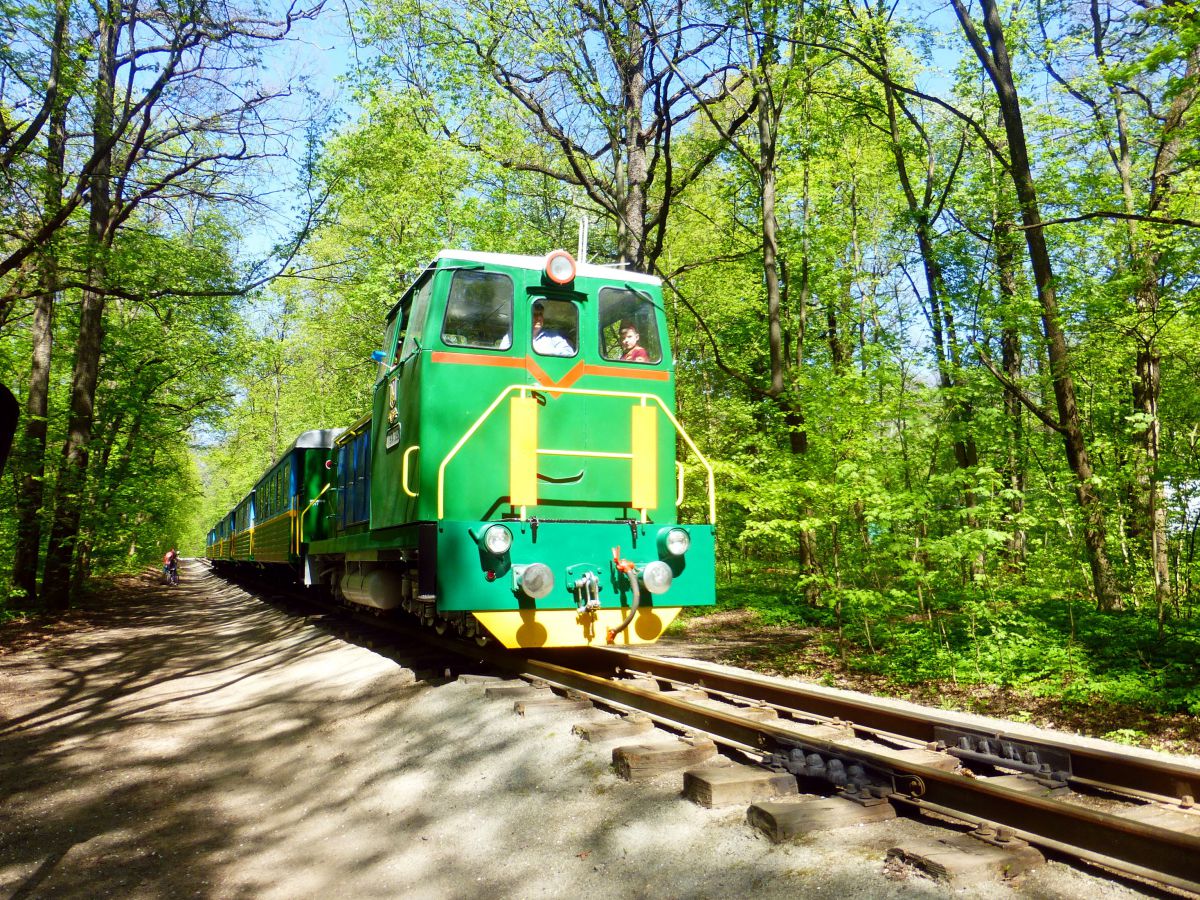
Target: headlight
[
  {"x": 535, "y": 580},
  {"x": 497, "y": 539},
  {"x": 560, "y": 267},
  {"x": 675, "y": 541},
  {"x": 656, "y": 576}
]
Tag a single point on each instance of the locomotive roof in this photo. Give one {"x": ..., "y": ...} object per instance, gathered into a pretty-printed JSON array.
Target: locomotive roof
[{"x": 584, "y": 270}]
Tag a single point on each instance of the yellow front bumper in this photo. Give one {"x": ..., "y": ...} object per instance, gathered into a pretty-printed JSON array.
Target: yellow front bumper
[{"x": 530, "y": 628}]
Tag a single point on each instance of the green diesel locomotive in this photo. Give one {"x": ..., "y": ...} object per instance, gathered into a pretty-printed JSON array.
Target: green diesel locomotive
[{"x": 516, "y": 478}]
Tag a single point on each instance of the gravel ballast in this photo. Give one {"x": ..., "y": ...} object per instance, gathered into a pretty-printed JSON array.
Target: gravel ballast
[{"x": 196, "y": 742}]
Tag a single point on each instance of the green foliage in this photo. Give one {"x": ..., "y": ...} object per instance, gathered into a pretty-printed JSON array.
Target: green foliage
[
  {"x": 1042, "y": 646},
  {"x": 893, "y": 495},
  {"x": 158, "y": 385}
]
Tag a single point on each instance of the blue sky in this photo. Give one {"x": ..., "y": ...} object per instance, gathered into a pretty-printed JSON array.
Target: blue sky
[{"x": 317, "y": 56}]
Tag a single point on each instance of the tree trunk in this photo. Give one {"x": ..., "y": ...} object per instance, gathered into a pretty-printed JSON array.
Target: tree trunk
[
  {"x": 947, "y": 353},
  {"x": 1147, "y": 385},
  {"x": 798, "y": 431},
  {"x": 770, "y": 234},
  {"x": 1069, "y": 424},
  {"x": 631, "y": 230},
  {"x": 1148, "y": 511},
  {"x": 32, "y": 493},
  {"x": 33, "y": 443},
  {"x": 1013, "y": 473},
  {"x": 769, "y": 115},
  {"x": 70, "y": 494},
  {"x": 839, "y": 354}
]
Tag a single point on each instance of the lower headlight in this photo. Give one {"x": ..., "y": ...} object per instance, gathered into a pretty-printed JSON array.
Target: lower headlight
[
  {"x": 497, "y": 539},
  {"x": 656, "y": 576},
  {"x": 536, "y": 580}
]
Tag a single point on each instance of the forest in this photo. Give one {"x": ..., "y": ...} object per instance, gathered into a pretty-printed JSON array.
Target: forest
[{"x": 932, "y": 273}]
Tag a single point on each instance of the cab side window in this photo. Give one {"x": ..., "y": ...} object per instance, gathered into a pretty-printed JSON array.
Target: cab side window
[
  {"x": 389, "y": 343},
  {"x": 414, "y": 321},
  {"x": 479, "y": 311},
  {"x": 628, "y": 327}
]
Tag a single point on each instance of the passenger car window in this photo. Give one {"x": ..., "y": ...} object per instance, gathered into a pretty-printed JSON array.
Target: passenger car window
[
  {"x": 479, "y": 311},
  {"x": 628, "y": 327},
  {"x": 555, "y": 327}
]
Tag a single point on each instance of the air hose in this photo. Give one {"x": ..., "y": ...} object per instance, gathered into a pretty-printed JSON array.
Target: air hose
[{"x": 624, "y": 565}]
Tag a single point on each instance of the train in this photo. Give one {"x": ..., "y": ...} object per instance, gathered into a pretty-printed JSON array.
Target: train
[{"x": 516, "y": 479}]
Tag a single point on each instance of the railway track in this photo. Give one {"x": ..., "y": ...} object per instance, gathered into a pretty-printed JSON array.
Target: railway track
[{"x": 1128, "y": 813}]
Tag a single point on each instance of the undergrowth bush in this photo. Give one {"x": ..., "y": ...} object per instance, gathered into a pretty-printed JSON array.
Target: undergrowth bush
[{"x": 1049, "y": 646}]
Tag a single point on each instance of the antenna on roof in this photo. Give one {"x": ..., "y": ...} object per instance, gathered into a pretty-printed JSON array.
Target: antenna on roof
[{"x": 581, "y": 253}]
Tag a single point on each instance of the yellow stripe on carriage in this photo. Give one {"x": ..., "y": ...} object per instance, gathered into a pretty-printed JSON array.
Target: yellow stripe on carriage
[{"x": 271, "y": 521}]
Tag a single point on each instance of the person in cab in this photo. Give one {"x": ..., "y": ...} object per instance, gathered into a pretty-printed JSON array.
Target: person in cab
[
  {"x": 631, "y": 344},
  {"x": 546, "y": 342}
]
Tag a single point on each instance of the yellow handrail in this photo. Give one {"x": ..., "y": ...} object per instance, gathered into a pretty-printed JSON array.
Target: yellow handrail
[
  {"x": 587, "y": 392},
  {"x": 352, "y": 432},
  {"x": 596, "y": 454},
  {"x": 311, "y": 503},
  {"x": 404, "y": 470}
]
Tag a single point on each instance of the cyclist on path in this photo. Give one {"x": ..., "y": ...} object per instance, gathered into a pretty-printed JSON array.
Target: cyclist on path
[{"x": 171, "y": 566}]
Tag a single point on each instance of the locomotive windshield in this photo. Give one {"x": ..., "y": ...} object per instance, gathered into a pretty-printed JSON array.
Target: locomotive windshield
[
  {"x": 479, "y": 312},
  {"x": 628, "y": 327}
]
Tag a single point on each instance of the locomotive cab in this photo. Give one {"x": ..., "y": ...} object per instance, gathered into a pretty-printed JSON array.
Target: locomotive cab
[{"x": 517, "y": 474}]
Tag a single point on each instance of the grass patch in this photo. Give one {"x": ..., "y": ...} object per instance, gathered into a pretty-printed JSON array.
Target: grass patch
[{"x": 1020, "y": 655}]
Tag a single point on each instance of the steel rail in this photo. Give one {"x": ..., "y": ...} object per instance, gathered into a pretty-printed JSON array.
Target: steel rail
[
  {"x": 1067, "y": 849},
  {"x": 1090, "y": 766}
]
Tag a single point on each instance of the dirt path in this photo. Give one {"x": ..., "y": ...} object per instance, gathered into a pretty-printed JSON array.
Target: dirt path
[{"x": 198, "y": 743}]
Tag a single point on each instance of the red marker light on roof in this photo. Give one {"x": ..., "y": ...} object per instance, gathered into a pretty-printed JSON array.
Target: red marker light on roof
[
  {"x": 560, "y": 267},
  {"x": 329, "y": 463}
]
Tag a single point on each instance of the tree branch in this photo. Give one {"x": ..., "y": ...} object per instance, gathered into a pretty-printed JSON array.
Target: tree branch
[{"x": 1018, "y": 392}]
